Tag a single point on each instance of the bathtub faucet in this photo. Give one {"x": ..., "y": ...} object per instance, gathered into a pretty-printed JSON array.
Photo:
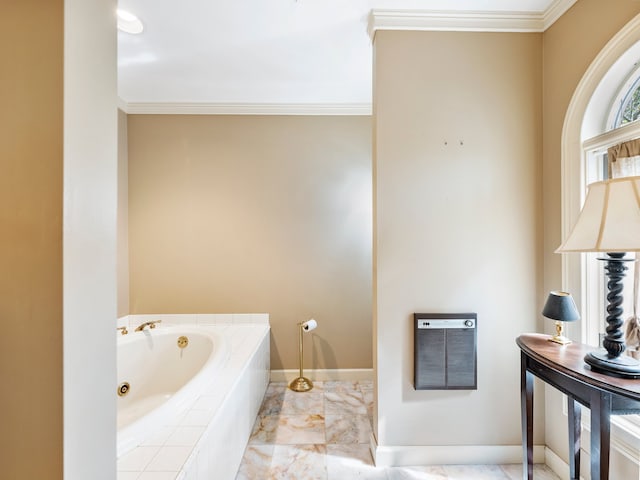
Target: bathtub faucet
[{"x": 151, "y": 324}]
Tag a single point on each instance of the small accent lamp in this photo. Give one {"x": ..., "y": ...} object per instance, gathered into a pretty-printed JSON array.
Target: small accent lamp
[
  {"x": 610, "y": 222},
  {"x": 561, "y": 308},
  {"x": 302, "y": 384}
]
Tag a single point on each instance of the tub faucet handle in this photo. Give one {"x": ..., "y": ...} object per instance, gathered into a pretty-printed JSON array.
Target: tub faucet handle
[
  {"x": 151, "y": 324},
  {"x": 123, "y": 330}
]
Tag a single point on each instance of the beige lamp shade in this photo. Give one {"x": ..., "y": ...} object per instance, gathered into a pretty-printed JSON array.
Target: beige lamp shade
[{"x": 609, "y": 220}]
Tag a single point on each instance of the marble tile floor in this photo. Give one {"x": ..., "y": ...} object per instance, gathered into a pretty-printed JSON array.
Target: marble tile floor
[{"x": 324, "y": 434}]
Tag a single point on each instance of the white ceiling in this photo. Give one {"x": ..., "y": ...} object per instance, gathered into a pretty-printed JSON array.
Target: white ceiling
[{"x": 265, "y": 52}]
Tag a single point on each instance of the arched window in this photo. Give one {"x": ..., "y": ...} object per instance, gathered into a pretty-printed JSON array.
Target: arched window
[
  {"x": 626, "y": 105},
  {"x": 603, "y": 112},
  {"x": 617, "y": 119}
]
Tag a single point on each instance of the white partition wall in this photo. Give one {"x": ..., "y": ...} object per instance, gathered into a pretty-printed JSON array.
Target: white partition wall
[
  {"x": 89, "y": 235},
  {"x": 457, "y": 215}
]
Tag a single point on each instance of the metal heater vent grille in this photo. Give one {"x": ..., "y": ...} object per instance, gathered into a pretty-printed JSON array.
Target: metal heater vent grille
[{"x": 445, "y": 351}]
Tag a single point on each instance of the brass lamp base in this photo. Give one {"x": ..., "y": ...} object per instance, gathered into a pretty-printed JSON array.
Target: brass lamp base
[
  {"x": 558, "y": 337},
  {"x": 301, "y": 384}
]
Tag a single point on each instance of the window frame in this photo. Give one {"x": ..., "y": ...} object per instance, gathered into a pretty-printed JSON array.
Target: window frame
[
  {"x": 593, "y": 286},
  {"x": 582, "y": 130},
  {"x": 622, "y": 98}
]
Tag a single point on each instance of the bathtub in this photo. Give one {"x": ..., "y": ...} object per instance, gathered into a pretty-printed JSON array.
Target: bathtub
[
  {"x": 188, "y": 412},
  {"x": 158, "y": 379}
]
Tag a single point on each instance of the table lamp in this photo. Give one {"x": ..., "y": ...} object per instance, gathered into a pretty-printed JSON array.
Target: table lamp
[
  {"x": 561, "y": 308},
  {"x": 609, "y": 222}
]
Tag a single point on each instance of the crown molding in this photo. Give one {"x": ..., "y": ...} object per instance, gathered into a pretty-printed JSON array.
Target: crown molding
[
  {"x": 247, "y": 108},
  {"x": 429, "y": 20},
  {"x": 417, "y": 20},
  {"x": 556, "y": 10},
  {"x": 122, "y": 105}
]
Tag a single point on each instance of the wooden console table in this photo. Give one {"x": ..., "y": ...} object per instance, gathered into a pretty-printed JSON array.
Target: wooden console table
[{"x": 563, "y": 367}]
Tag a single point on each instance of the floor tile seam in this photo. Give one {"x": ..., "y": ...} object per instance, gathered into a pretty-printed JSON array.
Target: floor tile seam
[
  {"x": 343, "y": 398},
  {"x": 350, "y": 400},
  {"x": 347, "y": 415},
  {"x": 295, "y": 443},
  {"x": 295, "y": 414},
  {"x": 357, "y": 412},
  {"x": 278, "y": 444},
  {"x": 343, "y": 390},
  {"x": 346, "y": 443}
]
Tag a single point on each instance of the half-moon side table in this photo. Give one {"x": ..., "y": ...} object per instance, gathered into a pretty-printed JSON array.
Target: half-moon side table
[{"x": 563, "y": 367}]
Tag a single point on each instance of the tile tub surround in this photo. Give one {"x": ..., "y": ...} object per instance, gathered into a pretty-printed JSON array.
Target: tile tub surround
[
  {"x": 324, "y": 434},
  {"x": 209, "y": 439},
  {"x": 132, "y": 321}
]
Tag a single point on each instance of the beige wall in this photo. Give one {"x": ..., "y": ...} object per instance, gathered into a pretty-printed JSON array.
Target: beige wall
[
  {"x": 457, "y": 212},
  {"x": 570, "y": 46},
  {"x": 123, "y": 216},
  {"x": 256, "y": 214},
  {"x": 57, "y": 149},
  {"x": 31, "y": 239}
]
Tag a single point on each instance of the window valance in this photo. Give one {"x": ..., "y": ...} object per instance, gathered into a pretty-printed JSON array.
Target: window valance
[{"x": 624, "y": 159}]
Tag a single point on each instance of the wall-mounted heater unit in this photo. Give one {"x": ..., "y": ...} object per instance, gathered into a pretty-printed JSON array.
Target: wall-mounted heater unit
[{"x": 445, "y": 351}]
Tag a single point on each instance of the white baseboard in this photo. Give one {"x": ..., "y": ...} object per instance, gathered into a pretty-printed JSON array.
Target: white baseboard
[
  {"x": 324, "y": 375},
  {"x": 405, "y": 455},
  {"x": 555, "y": 463}
]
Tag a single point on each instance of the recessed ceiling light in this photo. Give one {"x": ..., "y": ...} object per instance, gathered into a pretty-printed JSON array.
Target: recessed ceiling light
[{"x": 128, "y": 22}]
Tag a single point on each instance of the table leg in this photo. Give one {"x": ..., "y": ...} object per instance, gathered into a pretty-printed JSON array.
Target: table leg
[
  {"x": 600, "y": 435},
  {"x": 574, "y": 414},
  {"x": 526, "y": 404}
]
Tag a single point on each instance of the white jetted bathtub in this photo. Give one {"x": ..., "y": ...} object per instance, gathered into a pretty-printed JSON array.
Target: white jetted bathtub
[
  {"x": 188, "y": 392},
  {"x": 161, "y": 371}
]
